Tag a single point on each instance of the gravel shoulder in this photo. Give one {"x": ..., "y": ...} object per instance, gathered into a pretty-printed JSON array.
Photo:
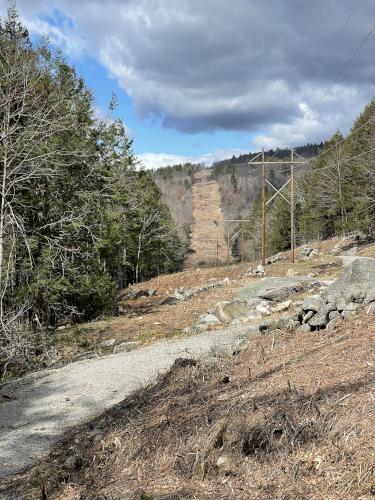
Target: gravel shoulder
[{"x": 36, "y": 411}]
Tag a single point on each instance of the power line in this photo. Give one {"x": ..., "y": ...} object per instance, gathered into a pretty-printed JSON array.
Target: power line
[
  {"x": 347, "y": 64},
  {"x": 334, "y": 145}
]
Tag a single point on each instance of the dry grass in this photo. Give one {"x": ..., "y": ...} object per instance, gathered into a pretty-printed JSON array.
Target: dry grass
[
  {"x": 292, "y": 417},
  {"x": 147, "y": 320}
]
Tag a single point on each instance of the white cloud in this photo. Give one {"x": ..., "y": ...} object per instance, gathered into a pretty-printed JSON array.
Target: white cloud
[
  {"x": 241, "y": 65},
  {"x": 152, "y": 161}
]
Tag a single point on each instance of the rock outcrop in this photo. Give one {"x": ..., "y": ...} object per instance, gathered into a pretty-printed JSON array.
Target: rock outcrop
[{"x": 355, "y": 287}]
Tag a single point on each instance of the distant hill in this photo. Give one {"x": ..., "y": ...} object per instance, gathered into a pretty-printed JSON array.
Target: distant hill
[{"x": 239, "y": 183}]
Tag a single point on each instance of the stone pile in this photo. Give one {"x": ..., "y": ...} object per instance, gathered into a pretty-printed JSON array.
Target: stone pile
[
  {"x": 308, "y": 252},
  {"x": 257, "y": 271},
  {"x": 340, "y": 300}
]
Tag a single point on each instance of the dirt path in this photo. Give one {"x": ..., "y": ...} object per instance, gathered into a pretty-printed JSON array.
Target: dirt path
[
  {"x": 208, "y": 242},
  {"x": 35, "y": 411}
]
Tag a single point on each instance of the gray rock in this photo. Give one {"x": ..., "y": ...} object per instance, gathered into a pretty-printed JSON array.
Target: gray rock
[
  {"x": 313, "y": 304},
  {"x": 320, "y": 319},
  {"x": 253, "y": 316},
  {"x": 330, "y": 307},
  {"x": 352, "y": 251},
  {"x": 108, "y": 343},
  {"x": 275, "y": 258},
  {"x": 304, "y": 328},
  {"x": 293, "y": 325},
  {"x": 340, "y": 304},
  {"x": 370, "y": 296},
  {"x": 359, "y": 275},
  {"x": 282, "y": 306},
  {"x": 334, "y": 322},
  {"x": 306, "y": 251},
  {"x": 350, "y": 310},
  {"x": 229, "y": 310},
  {"x": 308, "y": 316},
  {"x": 125, "y": 347},
  {"x": 333, "y": 315},
  {"x": 86, "y": 355},
  {"x": 73, "y": 462},
  {"x": 252, "y": 303},
  {"x": 331, "y": 299},
  {"x": 275, "y": 288},
  {"x": 258, "y": 271},
  {"x": 208, "y": 319}
]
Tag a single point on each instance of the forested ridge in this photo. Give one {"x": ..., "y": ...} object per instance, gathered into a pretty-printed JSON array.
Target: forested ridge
[
  {"x": 335, "y": 191},
  {"x": 78, "y": 219}
]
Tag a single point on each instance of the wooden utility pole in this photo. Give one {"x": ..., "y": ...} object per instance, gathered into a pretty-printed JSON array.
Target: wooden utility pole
[
  {"x": 217, "y": 244},
  {"x": 278, "y": 192},
  {"x": 292, "y": 209},
  {"x": 241, "y": 240},
  {"x": 264, "y": 194},
  {"x": 228, "y": 243}
]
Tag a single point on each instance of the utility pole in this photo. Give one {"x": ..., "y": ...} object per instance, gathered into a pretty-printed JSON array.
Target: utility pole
[
  {"x": 292, "y": 163},
  {"x": 217, "y": 245},
  {"x": 241, "y": 240},
  {"x": 264, "y": 194},
  {"x": 292, "y": 209},
  {"x": 228, "y": 243}
]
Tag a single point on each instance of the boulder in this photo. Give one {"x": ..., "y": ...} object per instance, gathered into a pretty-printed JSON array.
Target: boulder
[
  {"x": 334, "y": 322},
  {"x": 358, "y": 278},
  {"x": 125, "y": 347},
  {"x": 263, "y": 308},
  {"x": 350, "y": 310},
  {"x": 253, "y": 316},
  {"x": 308, "y": 316},
  {"x": 352, "y": 251},
  {"x": 282, "y": 306},
  {"x": 276, "y": 289},
  {"x": 320, "y": 319},
  {"x": 340, "y": 304},
  {"x": 304, "y": 328},
  {"x": 314, "y": 304},
  {"x": 208, "y": 319},
  {"x": 370, "y": 296},
  {"x": 108, "y": 343},
  {"x": 333, "y": 315},
  {"x": 258, "y": 271},
  {"x": 86, "y": 355},
  {"x": 309, "y": 252},
  {"x": 227, "y": 311},
  {"x": 275, "y": 258}
]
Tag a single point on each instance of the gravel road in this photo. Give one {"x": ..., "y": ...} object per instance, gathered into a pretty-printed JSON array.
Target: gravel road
[{"x": 35, "y": 411}]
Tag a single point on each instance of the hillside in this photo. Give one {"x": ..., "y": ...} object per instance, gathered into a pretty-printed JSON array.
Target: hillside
[
  {"x": 290, "y": 416},
  {"x": 239, "y": 184},
  {"x": 208, "y": 245},
  {"x": 283, "y": 411}
]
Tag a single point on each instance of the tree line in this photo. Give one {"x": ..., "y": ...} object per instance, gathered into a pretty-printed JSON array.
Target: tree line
[
  {"x": 78, "y": 219},
  {"x": 335, "y": 192}
]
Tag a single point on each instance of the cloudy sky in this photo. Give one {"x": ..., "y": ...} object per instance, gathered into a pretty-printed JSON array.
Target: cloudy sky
[{"x": 202, "y": 80}]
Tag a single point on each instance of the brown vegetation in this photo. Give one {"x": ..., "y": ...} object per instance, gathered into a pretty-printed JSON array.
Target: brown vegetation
[{"x": 289, "y": 417}]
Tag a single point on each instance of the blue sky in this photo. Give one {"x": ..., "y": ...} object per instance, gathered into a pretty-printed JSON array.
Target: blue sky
[
  {"x": 203, "y": 80},
  {"x": 149, "y": 134}
]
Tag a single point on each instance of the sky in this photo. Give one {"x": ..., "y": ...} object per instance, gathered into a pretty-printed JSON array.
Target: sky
[{"x": 203, "y": 80}]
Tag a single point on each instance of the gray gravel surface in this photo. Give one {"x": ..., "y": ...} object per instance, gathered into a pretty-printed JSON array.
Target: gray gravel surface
[{"x": 36, "y": 411}]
